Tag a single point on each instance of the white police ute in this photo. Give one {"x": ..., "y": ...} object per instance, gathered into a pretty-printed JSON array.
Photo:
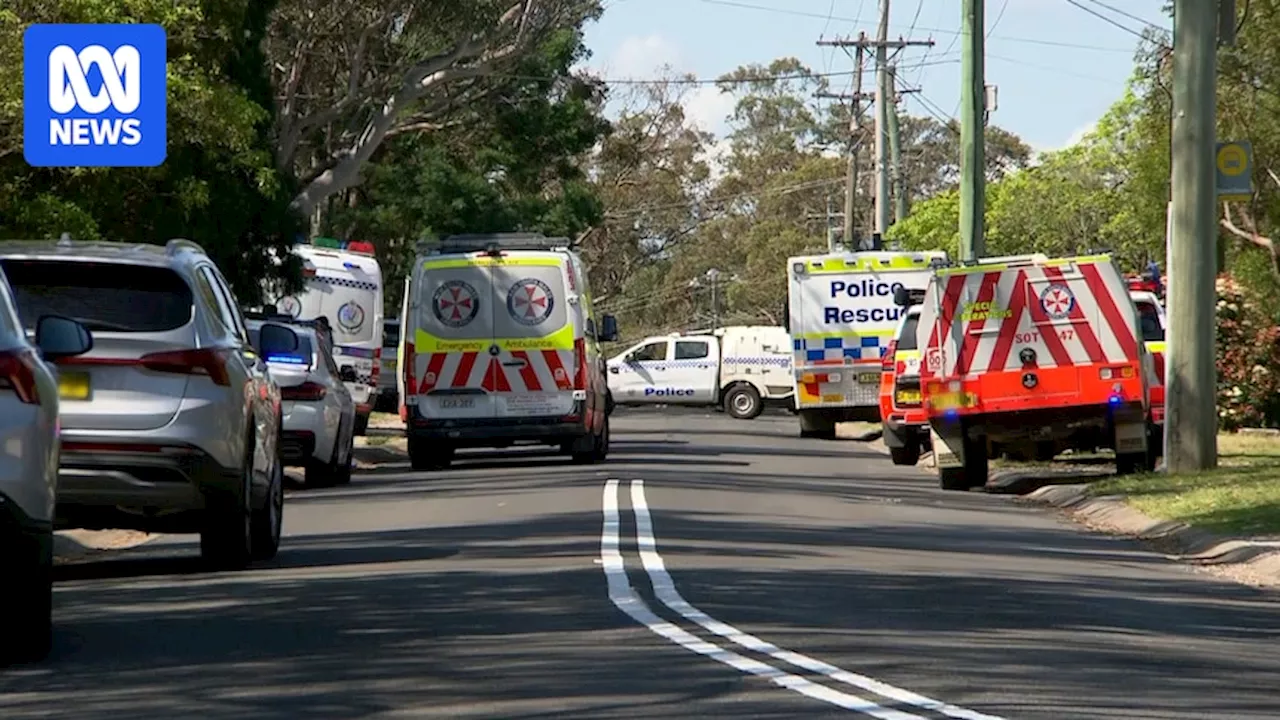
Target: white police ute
[{"x": 739, "y": 368}]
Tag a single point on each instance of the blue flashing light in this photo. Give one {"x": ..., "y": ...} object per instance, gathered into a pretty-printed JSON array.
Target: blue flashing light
[
  {"x": 1116, "y": 400},
  {"x": 951, "y": 414},
  {"x": 350, "y": 265},
  {"x": 286, "y": 360}
]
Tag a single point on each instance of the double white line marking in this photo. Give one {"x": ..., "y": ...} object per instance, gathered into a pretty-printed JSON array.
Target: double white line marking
[{"x": 625, "y": 598}]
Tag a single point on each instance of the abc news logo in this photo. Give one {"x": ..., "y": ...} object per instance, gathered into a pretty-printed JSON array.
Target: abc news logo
[
  {"x": 94, "y": 95},
  {"x": 69, "y": 89}
]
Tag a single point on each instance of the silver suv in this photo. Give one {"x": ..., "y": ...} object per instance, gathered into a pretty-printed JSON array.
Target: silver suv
[{"x": 170, "y": 423}]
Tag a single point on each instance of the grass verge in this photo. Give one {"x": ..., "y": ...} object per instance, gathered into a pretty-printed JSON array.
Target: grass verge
[{"x": 1241, "y": 497}]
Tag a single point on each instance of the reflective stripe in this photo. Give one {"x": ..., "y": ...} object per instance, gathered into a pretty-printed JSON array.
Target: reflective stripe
[
  {"x": 856, "y": 263},
  {"x": 487, "y": 261}
]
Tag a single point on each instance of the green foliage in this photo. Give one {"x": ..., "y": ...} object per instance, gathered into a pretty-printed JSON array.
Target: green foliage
[
  {"x": 1248, "y": 348},
  {"x": 218, "y": 185},
  {"x": 515, "y": 169}
]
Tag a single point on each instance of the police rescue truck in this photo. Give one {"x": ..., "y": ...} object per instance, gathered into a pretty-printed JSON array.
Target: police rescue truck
[
  {"x": 841, "y": 316},
  {"x": 741, "y": 368},
  {"x": 1029, "y": 349},
  {"x": 344, "y": 285}
]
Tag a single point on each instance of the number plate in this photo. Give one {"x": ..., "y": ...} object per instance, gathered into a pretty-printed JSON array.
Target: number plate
[
  {"x": 908, "y": 397},
  {"x": 73, "y": 385},
  {"x": 954, "y": 400},
  {"x": 464, "y": 403},
  {"x": 869, "y": 378}
]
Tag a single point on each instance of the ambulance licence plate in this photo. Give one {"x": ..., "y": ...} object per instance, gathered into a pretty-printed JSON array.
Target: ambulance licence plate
[
  {"x": 73, "y": 385},
  {"x": 464, "y": 403}
]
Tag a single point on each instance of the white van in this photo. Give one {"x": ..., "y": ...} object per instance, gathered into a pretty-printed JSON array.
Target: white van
[
  {"x": 741, "y": 368},
  {"x": 344, "y": 285},
  {"x": 501, "y": 347}
]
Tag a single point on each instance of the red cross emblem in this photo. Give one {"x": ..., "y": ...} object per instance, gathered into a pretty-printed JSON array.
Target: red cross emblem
[
  {"x": 529, "y": 301},
  {"x": 1057, "y": 301}
]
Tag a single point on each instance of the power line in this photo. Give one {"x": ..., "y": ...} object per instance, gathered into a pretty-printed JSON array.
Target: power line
[
  {"x": 724, "y": 80},
  {"x": 1095, "y": 13},
  {"x": 1124, "y": 13},
  {"x": 942, "y": 31}
]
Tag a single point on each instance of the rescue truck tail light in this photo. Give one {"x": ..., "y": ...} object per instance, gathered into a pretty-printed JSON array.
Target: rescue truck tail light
[{"x": 1117, "y": 373}]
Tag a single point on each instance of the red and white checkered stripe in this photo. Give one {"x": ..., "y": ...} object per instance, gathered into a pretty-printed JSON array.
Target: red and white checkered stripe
[
  {"x": 509, "y": 371},
  {"x": 957, "y": 347}
]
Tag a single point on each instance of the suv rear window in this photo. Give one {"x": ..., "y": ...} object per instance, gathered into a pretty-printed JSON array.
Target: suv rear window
[
  {"x": 1151, "y": 330},
  {"x": 110, "y": 297},
  {"x": 390, "y": 335},
  {"x": 907, "y": 338}
]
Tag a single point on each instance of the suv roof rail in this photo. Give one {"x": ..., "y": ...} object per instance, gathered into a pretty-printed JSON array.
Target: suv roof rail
[
  {"x": 177, "y": 245},
  {"x": 493, "y": 243}
]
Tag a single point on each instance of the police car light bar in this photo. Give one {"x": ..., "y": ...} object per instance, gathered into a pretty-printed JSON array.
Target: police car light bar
[{"x": 498, "y": 242}]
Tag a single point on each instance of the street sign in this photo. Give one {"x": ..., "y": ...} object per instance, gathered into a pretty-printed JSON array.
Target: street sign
[{"x": 1234, "y": 162}]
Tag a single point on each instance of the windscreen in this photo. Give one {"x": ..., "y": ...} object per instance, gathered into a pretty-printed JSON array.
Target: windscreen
[
  {"x": 907, "y": 338},
  {"x": 1148, "y": 316},
  {"x": 108, "y": 297},
  {"x": 303, "y": 355}
]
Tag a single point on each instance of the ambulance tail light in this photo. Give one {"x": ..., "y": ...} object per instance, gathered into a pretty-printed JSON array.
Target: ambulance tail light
[
  {"x": 1126, "y": 372},
  {"x": 377, "y": 367},
  {"x": 579, "y": 364},
  {"x": 410, "y": 381},
  {"x": 889, "y": 356}
]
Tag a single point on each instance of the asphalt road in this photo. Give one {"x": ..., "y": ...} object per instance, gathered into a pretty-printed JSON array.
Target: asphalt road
[{"x": 785, "y": 578}]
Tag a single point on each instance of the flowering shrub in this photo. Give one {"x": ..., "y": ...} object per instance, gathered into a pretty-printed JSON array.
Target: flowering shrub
[{"x": 1248, "y": 360}]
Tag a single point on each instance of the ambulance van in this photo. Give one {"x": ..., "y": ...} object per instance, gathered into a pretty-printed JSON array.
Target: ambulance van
[
  {"x": 343, "y": 283},
  {"x": 1028, "y": 349},
  {"x": 502, "y": 348},
  {"x": 841, "y": 316}
]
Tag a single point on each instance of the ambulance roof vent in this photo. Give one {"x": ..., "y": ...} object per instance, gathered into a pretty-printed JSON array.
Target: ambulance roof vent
[{"x": 495, "y": 243}]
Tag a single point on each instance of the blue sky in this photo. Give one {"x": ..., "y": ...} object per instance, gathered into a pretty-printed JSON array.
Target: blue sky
[{"x": 1058, "y": 67}]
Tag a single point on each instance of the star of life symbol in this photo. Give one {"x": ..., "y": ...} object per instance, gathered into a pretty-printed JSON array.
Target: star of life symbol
[
  {"x": 1057, "y": 301},
  {"x": 529, "y": 301},
  {"x": 455, "y": 303}
]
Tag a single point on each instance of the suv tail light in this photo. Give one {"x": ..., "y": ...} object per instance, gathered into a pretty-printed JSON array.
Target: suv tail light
[
  {"x": 377, "y": 367},
  {"x": 17, "y": 373},
  {"x": 306, "y": 392},
  {"x": 206, "y": 361},
  {"x": 889, "y": 357},
  {"x": 580, "y": 364}
]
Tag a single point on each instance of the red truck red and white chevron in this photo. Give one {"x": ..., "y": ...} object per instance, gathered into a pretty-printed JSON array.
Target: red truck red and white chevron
[
  {"x": 959, "y": 347},
  {"x": 509, "y": 371}
]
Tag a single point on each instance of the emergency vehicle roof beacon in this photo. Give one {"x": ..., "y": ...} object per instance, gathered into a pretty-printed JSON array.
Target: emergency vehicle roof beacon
[
  {"x": 1027, "y": 349},
  {"x": 841, "y": 316}
]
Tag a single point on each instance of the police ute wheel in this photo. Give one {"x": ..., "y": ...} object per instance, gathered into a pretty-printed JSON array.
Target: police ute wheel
[
  {"x": 362, "y": 425},
  {"x": 952, "y": 478},
  {"x": 743, "y": 402},
  {"x": 907, "y": 455}
]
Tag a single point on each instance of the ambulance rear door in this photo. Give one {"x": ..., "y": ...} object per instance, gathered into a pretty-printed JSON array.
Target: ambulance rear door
[
  {"x": 452, "y": 323},
  {"x": 538, "y": 342}
]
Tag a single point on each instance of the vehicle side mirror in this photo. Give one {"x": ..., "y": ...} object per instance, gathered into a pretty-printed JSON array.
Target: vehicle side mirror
[
  {"x": 608, "y": 328},
  {"x": 901, "y": 296},
  {"x": 348, "y": 374},
  {"x": 276, "y": 340},
  {"x": 61, "y": 337}
]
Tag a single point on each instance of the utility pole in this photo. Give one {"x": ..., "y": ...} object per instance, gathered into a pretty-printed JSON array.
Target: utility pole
[
  {"x": 972, "y": 125},
  {"x": 713, "y": 275},
  {"x": 1191, "y": 420},
  {"x": 881, "y": 45},
  {"x": 895, "y": 152},
  {"x": 884, "y": 97}
]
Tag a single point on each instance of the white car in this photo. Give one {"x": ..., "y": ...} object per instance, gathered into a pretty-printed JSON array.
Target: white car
[
  {"x": 317, "y": 410},
  {"x": 29, "y": 449}
]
